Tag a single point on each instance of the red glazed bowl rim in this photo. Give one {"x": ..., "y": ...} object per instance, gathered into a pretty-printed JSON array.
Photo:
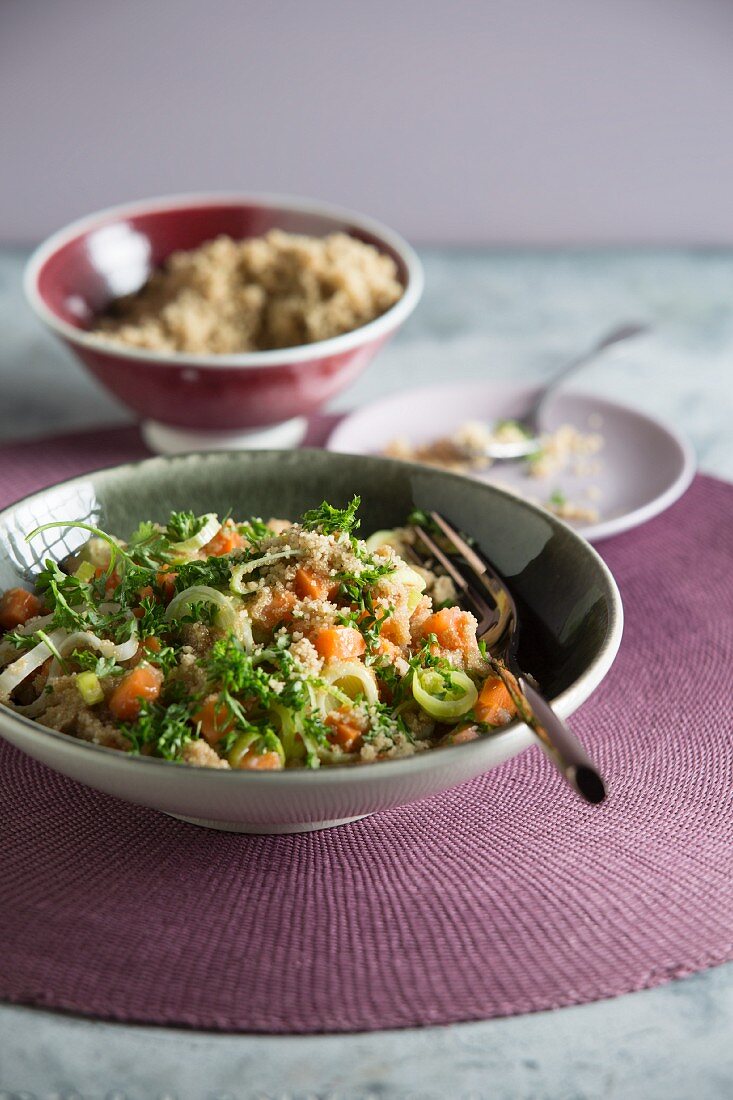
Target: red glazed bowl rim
[{"x": 303, "y": 353}]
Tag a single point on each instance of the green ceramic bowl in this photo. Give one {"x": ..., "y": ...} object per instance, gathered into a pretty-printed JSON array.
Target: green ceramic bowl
[{"x": 569, "y": 607}]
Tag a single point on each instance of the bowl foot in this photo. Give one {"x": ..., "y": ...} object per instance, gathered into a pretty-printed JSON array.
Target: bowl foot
[
  {"x": 168, "y": 439},
  {"x": 265, "y": 829}
]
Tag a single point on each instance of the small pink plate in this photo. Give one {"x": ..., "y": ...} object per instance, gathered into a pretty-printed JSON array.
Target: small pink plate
[{"x": 643, "y": 467}]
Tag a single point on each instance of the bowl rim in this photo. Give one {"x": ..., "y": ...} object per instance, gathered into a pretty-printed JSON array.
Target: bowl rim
[
  {"x": 303, "y": 353},
  {"x": 516, "y": 736}
]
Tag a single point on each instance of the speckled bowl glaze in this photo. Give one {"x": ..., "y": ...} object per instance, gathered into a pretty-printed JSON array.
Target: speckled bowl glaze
[
  {"x": 569, "y": 605},
  {"x": 76, "y": 273}
]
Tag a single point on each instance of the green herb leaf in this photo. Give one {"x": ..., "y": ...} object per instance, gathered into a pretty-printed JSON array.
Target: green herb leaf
[
  {"x": 165, "y": 729},
  {"x": 231, "y": 669},
  {"x": 149, "y": 546},
  {"x": 331, "y": 521},
  {"x": 69, "y": 598},
  {"x": 254, "y": 530},
  {"x": 184, "y": 525},
  {"x": 356, "y": 587},
  {"x": 21, "y": 641},
  {"x": 90, "y": 661},
  {"x": 214, "y": 572},
  {"x": 384, "y": 724},
  {"x": 418, "y": 518},
  {"x": 152, "y": 620}
]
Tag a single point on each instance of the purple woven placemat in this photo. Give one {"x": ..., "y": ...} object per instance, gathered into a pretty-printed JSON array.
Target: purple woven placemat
[{"x": 502, "y": 896}]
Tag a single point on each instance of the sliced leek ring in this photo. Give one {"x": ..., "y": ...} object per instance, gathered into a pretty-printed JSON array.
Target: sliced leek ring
[
  {"x": 352, "y": 678},
  {"x": 239, "y": 572},
  {"x": 227, "y": 617},
  {"x": 16, "y": 672},
  {"x": 444, "y": 696},
  {"x": 240, "y": 747}
]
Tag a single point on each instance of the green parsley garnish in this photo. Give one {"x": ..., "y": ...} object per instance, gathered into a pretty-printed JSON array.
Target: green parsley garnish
[
  {"x": 314, "y": 732},
  {"x": 69, "y": 598},
  {"x": 214, "y": 572},
  {"x": 184, "y": 525},
  {"x": 332, "y": 521},
  {"x": 90, "y": 661},
  {"x": 254, "y": 530},
  {"x": 166, "y": 730},
  {"x": 21, "y": 641},
  {"x": 232, "y": 670},
  {"x": 384, "y": 723}
]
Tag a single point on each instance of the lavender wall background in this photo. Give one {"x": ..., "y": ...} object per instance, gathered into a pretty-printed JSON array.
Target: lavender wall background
[{"x": 533, "y": 121}]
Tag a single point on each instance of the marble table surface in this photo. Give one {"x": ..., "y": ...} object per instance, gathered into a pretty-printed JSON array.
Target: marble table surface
[{"x": 484, "y": 315}]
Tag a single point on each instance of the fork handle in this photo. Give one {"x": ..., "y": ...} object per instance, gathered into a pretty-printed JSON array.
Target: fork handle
[
  {"x": 563, "y": 747},
  {"x": 615, "y": 336}
]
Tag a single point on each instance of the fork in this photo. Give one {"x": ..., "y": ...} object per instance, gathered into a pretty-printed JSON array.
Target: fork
[
  {"x": 498, "y": 627},
  {"x": 529, "y": 421}
]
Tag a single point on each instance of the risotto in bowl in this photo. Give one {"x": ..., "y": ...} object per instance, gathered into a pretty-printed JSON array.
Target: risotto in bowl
[{"x": 249, "y": 642}]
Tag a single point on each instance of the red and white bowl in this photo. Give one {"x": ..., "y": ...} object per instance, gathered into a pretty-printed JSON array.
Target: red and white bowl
[{"x": 203, "y": 401}]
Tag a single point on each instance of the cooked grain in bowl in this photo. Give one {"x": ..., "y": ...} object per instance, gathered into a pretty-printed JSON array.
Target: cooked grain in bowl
[
  {"x": 277, "y": 291},
  {"x": 250, "y": 645}
]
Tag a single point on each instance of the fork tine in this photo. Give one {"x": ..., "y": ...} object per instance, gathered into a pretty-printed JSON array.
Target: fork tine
[
  {"x": 458, "y": 579},
  {"x": 486, "y": 614},
  {"x": 477, "y": 564},
  {"x": 490, "y": 583}
]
